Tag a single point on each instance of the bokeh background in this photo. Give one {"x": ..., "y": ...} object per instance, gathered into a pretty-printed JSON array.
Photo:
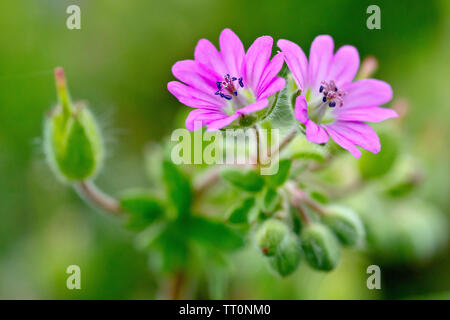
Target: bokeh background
[{"x": 120, "y": 62}]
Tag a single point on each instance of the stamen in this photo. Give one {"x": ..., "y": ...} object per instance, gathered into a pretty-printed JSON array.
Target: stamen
[
  {"x": 332, "y": 94},
  {"x": 227, "y": 86}
]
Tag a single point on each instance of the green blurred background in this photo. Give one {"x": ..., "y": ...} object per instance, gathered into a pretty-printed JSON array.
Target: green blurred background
[{"x": 120, "y": 62}]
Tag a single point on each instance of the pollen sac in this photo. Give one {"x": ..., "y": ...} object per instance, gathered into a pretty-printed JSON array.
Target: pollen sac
[
  {"x": 226, "y": 89},
  {"x": 332, "y": 94},
  {"x": 72, "y": 140}
]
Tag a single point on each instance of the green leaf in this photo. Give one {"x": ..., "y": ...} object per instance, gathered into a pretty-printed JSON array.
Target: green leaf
[
  {"x": 142, "y": 208},
  {"x": 178, "y": 188},
  {"x": 376, "y": 165},
  {"x": 281, "y": 176},
  {"x": 318, "y": 196},
  {"x": 271, "y": 200},
  {"x": 214, "y": 234},
  {"x": 248, "y": 180},
  {"x": 239, "y": 214},
  {"x": 173, "y": 246}
]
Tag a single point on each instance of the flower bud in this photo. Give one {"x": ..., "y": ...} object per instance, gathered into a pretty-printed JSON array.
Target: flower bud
[
  {"x": 270, "y": 235},
  {"x": 72, "y": 139},
  {"x": 321, "y": 247},
  {"x": 345, "y": 223},
  {"x": 287, "y": 257}
]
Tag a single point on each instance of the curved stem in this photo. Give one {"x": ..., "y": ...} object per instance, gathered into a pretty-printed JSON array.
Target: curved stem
[
  {"x": 98, "y": 198},
  {"x": 284, "y": 143}
]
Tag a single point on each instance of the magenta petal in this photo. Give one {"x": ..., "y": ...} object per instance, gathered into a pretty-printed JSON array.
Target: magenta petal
[
  {"x": 207, "y": 54},
  {"x": 270, "y": 72},
  {"x": 320, "y": 58},
  {"x": 344, "y": 66},
  {"x": 258, "y": 105},
  {"x": 316, "y": 133},
  {"x": 367, "y": 92},
  {"x": 301, "y": 109},
  {"x": 219, "y": 124},
  {"x": 369, "y": 114},
  {"x": 343, "y": 142},
  {"x": 296, "y": 61},
  {"x": 276, "y": 85},
  {"x": 358, "y": 133},
  {"x": 232, "y": 51},
  {"x": 192, "y": 97},
  {"x": 188, "y": 72},
  {"x": 256, "y": 59},
  {"x": 199, "y": 117}
]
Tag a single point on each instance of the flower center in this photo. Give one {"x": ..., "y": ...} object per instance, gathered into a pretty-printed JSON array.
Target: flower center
[
  {"x": 331, "y": 94},
  {"x": 320, "y": 105},
  {"x": 226, "y": 88}
]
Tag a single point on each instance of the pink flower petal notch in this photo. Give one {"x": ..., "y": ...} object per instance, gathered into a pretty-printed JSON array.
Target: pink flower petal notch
[
  {"x": 331, "y": 104},
  {"x": 224, "y": 86}
]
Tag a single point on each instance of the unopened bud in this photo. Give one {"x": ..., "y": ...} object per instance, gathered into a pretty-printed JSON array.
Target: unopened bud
[
  {"x": 72, "y": 139},
  {"x": 270, "y": 235},
  {"x": 287, "y": 257},
  {"x": 345, "y": 223},
  {"x": 368, "y": 67},
  {"x": 321, "y": 247}
]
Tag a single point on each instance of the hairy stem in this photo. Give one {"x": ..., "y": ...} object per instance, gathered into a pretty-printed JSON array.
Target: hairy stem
[
  {"x": 296, "y": 202},
  {"x": 258, "y": 146},
  {"x": 284, "y": 143},
  {"x": 98, "y": 198}
]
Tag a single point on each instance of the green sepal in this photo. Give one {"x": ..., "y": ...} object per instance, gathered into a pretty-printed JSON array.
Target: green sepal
[{"x": 73, "y": 144}]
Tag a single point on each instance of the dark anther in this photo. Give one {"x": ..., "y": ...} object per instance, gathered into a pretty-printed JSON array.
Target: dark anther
[
  {"x": 241, "y": 83},
  {"x": 324, "y": 99},
  {"x": 321, "y": 89},
  {"x": 332, "y": 104}
]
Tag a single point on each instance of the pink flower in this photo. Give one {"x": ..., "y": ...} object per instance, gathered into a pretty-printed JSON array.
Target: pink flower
[
  {"x": 331, "y": 104},
  {"x": 223, "y": 86}
]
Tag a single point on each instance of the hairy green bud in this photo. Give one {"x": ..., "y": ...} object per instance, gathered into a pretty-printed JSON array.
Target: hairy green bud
[
  {"x": 270, "y": 235},
  {"x": 72, "y": 139},
  {"x": 287, "y": 256},
  {"x": 321, "y": 247},
  {"x": 346, "y": 224}
]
